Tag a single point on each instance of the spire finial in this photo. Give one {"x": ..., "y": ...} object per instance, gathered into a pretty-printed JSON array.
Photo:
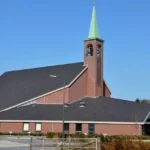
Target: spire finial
[{"x": 94, "y": 2}]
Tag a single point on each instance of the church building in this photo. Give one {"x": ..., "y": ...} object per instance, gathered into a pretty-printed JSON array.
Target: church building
[{"x": 70, "y": 97}]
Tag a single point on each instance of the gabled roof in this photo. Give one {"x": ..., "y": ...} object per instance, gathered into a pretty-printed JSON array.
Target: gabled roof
[
  {"x": 22, "y": 85},
  {"x": 101, "y": 109}
]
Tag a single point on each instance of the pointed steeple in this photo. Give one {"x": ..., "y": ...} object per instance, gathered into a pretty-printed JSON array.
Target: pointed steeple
[{"x": 93, "y": 33}]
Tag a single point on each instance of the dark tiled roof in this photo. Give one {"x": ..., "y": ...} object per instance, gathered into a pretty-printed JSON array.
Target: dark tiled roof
[
  {"x": 96, "y": 109},
  {"x": 22, "y": 85}
]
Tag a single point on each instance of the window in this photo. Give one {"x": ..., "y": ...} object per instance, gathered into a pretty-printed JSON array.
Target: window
[
  {"x": 38, "y": 127},
  {"x": 91, "y": 128},
  {"x": 98, "y": 50},
  {"x": 66, "y": 127},
  {"x": 82, "y": 104},
  {"x": 89, "y": 51},
  {"x": 78, "y": 127},
  {"x": 25, "y": 127}
]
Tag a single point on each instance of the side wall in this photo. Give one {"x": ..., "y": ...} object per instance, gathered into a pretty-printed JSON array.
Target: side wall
[
  {"x": 6, "y": 127},
  {"x": 106, "y": 91},
  {"x": 55, "y": 98},
  {"x": 107, "y": 129},
  {"x": 118, "y": 129},
  {"x": 74, "y": 92},
  {"x": 77, "y": 90}
]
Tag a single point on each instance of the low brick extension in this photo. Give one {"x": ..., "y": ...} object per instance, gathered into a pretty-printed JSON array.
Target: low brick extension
[{"x": 107, "y": 129}]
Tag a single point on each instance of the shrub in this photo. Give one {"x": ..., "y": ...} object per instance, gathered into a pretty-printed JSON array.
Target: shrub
[
  {"x": 50, "y": 134},
  {"x": 79, "y": 135},
  {"x": 105, "y": 139},
  {"x": 125, "y": 145}
]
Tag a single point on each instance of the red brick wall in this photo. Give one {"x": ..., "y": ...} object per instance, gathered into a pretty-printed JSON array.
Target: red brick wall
[
  {"x": 109, "y": 129},
  {"x": 94, "y": 83},
  {"x": 46, "y": 127},
  {"x": 118, "y": 129},
  {"x": 56, "y": 97},
  {"x": 32, "y": 127},
  {"x": 12, "y": 126},
  {"x": 77, "y": 90},
  {"x": 107, "y": 93},
  {"x": 72, "y": 128},
  {"x": 85, "y": 128},
  {"x": 57, "y": 127}
]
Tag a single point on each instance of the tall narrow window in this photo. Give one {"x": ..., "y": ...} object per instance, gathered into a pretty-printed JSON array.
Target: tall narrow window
[
  {"x": 66, "y": 127},
  {"x": 38, "y": 127},
  {"x": 78, "y": 127},
  {"x": 91, "y": 128},
  {"x": 89, "y": 51},
  {"x": 25, "y": 127},
  {"x": 98, "y": 50}
]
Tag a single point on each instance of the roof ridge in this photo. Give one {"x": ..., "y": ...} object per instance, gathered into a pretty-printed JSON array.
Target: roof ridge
[{"x": 42, "y": 67}]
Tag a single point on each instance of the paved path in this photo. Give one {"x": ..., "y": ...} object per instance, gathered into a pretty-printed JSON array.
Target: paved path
[{"x": 23, "y": 143}]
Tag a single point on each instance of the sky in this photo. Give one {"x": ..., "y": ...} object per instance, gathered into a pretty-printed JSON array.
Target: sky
[{"x": 36, "y": 33}]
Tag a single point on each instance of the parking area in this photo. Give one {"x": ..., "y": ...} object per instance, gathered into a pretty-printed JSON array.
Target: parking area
[
  {"x": 42, "y": 143},
  {"x": 26, "y": 143}
]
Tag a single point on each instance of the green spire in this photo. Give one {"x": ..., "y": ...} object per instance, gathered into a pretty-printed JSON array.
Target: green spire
[{"x": 93, "y": 34}]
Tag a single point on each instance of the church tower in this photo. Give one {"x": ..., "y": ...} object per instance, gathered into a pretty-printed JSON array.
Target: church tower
[{"x": 93, "y": 58}]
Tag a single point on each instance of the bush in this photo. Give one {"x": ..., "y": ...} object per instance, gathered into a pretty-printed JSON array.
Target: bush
[
  {"x": 50, "y": 134},
  {"x": 125, "y": 145},
  {"x": 105, "y": 139},
  {"x": 78, "y": 135},
  {"x": 22, "y": 134},
  {"x": 60, "y": 135}
]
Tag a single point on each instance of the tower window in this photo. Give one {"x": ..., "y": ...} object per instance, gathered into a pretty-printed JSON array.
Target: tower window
[
  {"x": 89, "y": 51},
  {"x": 98, "y": 50}
]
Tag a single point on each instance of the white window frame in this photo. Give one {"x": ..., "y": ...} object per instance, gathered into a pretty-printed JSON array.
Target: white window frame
[
  {"x": 38, "y": 127},
  {"x": 26, "y": 127}
]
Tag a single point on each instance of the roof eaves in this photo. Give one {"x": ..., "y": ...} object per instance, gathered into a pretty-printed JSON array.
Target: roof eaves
[{"x": 73, "y": 121}]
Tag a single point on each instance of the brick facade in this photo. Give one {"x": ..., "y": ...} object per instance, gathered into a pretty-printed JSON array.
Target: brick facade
[
  {"x": 106, "y": 91},
  {"x": 118, "y": 129},
  {"x": 55, "y": 98},
  {"x": 94, "y": 82},
  {"x": 89, "y": 83},
  {"x": 108, "y": 129},
  {"x": 6, "y": 127},
  {"x": 69, "y": 94}
]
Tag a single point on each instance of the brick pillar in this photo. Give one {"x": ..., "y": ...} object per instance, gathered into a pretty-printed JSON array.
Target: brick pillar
[
  {"x": 85, "y": 129},
  {"x": 72, "y": 128},
  {"x": 32, "y": 127}
]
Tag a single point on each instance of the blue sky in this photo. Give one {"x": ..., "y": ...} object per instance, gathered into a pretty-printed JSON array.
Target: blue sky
[{"x": 35, "y": 33}]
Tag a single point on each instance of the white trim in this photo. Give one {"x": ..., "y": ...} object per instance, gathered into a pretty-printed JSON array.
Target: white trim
[
  {"x": 147, "y": 123},
  {"x": 60, "y": 121},
  {"x": 35, "y": 98},
  {"x": 146, "y": 117},
  {"x": 77, "y": 76},
  {"x": 49, "y": 103}
]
